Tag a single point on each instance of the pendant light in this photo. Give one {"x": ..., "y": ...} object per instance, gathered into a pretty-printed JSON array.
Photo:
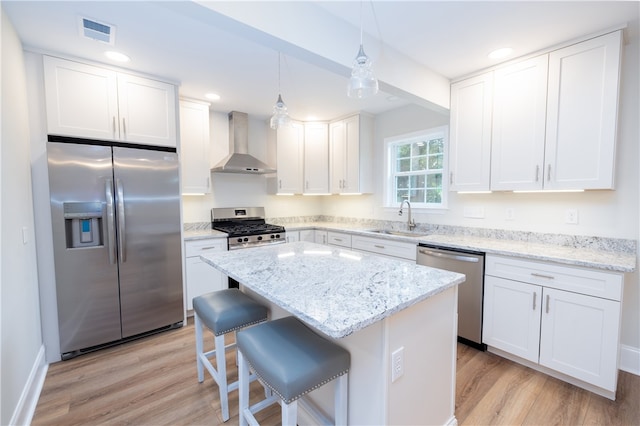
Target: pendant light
[
  {"x": 362, "y": 82},
  {"x": 280, "y": 115}
]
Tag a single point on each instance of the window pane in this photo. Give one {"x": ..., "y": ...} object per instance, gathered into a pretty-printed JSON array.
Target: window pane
[
  {"x": 435, "y": 162},
  {"x": 434, "y": 180},
  {"x": 404, "y": 165},
  {"x": 402, "y": 182},
  {"x": 401, "y": 195},
  {"x": 418, "y": 181},
  {"x": 436, "y": 146},
  {"x": 403, "y": 151},
  {"x": 434, "y": 195},
  {"x": 419, "y": 148},
  {"x": 418, "y": 163},
  {"x": 417, "y": 195}
]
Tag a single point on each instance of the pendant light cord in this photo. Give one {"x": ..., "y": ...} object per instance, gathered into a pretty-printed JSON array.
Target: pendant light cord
[{"x": 361, "y": 22}]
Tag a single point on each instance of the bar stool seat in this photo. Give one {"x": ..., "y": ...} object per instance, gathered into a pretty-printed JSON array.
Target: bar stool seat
[
  {"x": 291, "y": 360},
  {"x": 222, "y": 312}
]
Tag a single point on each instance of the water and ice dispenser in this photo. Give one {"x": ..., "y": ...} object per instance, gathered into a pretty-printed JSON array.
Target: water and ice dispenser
[{"x": 83, "y": 224}]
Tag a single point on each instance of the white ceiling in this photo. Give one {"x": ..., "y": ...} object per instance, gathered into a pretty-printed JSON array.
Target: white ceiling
[{"x": 183, "y": 42}]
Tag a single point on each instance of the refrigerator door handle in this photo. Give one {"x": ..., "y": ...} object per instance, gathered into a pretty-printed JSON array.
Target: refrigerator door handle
[
  {"x": 121, "y": 223},
  {"x": 111, "y": 225}
]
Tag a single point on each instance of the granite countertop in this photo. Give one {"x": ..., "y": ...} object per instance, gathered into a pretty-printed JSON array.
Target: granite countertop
[
  {"x": 202, "y": 234},
  {"x": 334, "y": 290},
  {"x": 607, "y": 259}
]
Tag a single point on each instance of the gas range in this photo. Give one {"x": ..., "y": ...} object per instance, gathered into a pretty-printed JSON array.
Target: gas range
[{"x": 246, "y": 227}]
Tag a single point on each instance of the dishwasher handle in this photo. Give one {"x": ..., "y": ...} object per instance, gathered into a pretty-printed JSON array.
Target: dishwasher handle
[{"x": 440, "y": 254}]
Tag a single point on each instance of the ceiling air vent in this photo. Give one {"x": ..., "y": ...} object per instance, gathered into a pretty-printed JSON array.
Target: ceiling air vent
[{"x": 95, "y": 30}]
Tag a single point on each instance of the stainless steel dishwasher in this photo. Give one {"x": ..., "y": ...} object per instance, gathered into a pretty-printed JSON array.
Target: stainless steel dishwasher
[{"x": 470, "y": 293}]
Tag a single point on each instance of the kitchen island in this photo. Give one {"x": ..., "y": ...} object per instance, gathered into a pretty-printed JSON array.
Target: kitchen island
[{"x": 375, "y": 307}]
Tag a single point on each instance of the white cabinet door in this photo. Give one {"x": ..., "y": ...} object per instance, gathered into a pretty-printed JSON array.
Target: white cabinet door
[
  {"x": 194, "y": 147},
  {"x": 511, "y": 320},
  {"x": 81, "y": 100},
  {"x": 292, "y": 236},
  {"x": 308, "y": 235},
  {"x": 470, "y": 134},
  {"x": 91, "y": 102},
  {"x": 316, "y": 158},
  {"x": 290, "y": 149},
  {"x": 147, "y": 111},
  {"x": 201, "y": 277},
  {"x": 579, "y": 337},
  {"x": 321, "y": 237},
  {"x": 338, "y": 160},
  {"x": 519, "y": 114},
  {"x": 582, "y": 109},
  {"x": 350, "y": 151}
]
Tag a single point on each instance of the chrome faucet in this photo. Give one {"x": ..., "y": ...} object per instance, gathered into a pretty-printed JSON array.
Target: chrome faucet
[{"x": 410, "y": 222}]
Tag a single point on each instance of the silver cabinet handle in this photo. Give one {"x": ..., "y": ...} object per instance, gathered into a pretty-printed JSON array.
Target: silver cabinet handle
[
  {"x": 378, "y": 246},
  {"x": 279, "y": 183},
  {"x": 307, "y": 185},
  {"x": 208, "y": 183},
  {"x": 121, "y": 221},
  {"x": 338, "y": 239},
  {"x": 114, "y": 127},
  {"x": 549, "y": 173},
  {"x": 537, "y": 172},
  {"x": 451, "y": 178},
  {"x": 548, "y": 277},
  {"x": 535, "y": 295},
  {"x": 547, "y": 308},
  {"x": 111, "y": 231},
  {"x": 208, "y": 248},
  {"x": 449, "y": 256},
  {"x": 124, "y": 129}
]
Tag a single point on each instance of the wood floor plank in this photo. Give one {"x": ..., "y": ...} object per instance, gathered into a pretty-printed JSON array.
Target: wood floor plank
[{"x": 153, "y": 382}]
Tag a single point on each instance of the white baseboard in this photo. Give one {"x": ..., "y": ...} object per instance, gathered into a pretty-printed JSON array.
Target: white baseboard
[
  {"x": 630, "y": 359},
  {"x": 28, "y": 401}
]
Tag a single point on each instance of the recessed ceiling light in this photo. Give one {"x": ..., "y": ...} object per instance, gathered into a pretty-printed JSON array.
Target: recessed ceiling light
[
  {"x": 117, "y": 56},
  {"x": 212, "y": 96},
  {"x": 500, "y": 53}
]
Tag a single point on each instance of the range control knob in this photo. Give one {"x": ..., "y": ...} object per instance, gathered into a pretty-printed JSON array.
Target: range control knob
[
  {"x": 245, "y": 239},
  {"x": 277, "y": 235},
  {"x": 272, "y": 236},
  {"x": 259, "y": 238},
  {"x": 239, "y": 240}
]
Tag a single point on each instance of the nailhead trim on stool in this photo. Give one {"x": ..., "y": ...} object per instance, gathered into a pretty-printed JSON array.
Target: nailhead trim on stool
[
  {"x": 222, "y": 312},
  {"x": 291, "y": 360}
]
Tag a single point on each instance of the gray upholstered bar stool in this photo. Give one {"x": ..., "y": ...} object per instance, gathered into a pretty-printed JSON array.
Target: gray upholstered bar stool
[
  {"x": 291, "y": 360},
  {"x": 222, "y": 312}
]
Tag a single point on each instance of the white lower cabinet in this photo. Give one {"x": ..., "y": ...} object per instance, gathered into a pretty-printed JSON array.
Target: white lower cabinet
[
  {"x": 308, "y": 235},
  {"x": 320, "y": 237},
  {"x": 201, "y": 277},
  {"x": 339, "y": 239},
  {"x": 565, "y": 319},
  {"x": 292, "y": 236}
]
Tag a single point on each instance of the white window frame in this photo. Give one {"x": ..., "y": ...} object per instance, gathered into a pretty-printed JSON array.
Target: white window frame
[{"x": 389, "y": 182}]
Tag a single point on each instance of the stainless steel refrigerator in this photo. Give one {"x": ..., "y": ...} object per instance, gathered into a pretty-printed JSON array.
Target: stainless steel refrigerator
[{"x": 115, "y": 212}]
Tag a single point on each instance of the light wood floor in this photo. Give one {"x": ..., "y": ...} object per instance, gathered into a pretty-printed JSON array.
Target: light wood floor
[{"x": 153, "y": 382}]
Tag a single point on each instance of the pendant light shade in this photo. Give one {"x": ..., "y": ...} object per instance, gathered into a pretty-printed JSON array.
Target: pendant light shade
[
  {"x": 362, "y": 82},
  {"x": 280, "y": 117}
]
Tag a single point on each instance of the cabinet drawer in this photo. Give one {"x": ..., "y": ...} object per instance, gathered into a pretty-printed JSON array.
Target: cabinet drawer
[
  {"x": 339, "y": 239},
  {"x": 196, "y": 248},
  {"x": 386, "y": 247},
  {"x": 591, "y": 282}
]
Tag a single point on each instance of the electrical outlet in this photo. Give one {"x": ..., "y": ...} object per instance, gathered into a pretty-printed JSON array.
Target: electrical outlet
[
  {"x": 474, "y": 212},
  {"x": 571, "y": 216},
  {"x": 397, "y": 364}
]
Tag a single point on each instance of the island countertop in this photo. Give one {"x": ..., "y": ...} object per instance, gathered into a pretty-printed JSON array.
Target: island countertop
[{"x": 334, "y": 290}]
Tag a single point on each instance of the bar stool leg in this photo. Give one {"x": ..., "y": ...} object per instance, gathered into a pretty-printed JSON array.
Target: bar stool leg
[
  {"x": 243, "y": 388},
  {"x": 289, "y": 413},
  {"x": 221, "y": 364},
  {"x": 199, "y": 347},
  {"x": 340, "y": 399}
]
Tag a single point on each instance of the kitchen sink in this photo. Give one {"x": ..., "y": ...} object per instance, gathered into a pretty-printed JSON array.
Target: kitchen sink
[{"x": 399, "y": 233}]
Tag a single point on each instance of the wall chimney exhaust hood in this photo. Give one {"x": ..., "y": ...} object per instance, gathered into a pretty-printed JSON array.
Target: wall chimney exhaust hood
[{"x": 239, "y": 160}]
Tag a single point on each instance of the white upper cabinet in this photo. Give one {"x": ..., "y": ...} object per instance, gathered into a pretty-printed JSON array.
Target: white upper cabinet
[
  {"x": 194, "y": 147},
  {"x": 350, "y": 145},
  {"x": 316, "y": 158},
  {"x": 548, "y": 122},
  {"x": 582, "y": 113},
  {"x": 470, "y": 134},
  {"x": 519, "y": 114},
  {"x": 91, "y": 102},
  {"x": 290, "y": 151}
]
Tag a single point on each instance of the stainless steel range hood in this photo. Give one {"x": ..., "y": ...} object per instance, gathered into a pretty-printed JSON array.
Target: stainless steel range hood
[{"x": 239, "y": 160}]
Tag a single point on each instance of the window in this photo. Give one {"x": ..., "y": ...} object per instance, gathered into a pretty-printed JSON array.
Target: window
[{"x": 416, "y": 165}]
